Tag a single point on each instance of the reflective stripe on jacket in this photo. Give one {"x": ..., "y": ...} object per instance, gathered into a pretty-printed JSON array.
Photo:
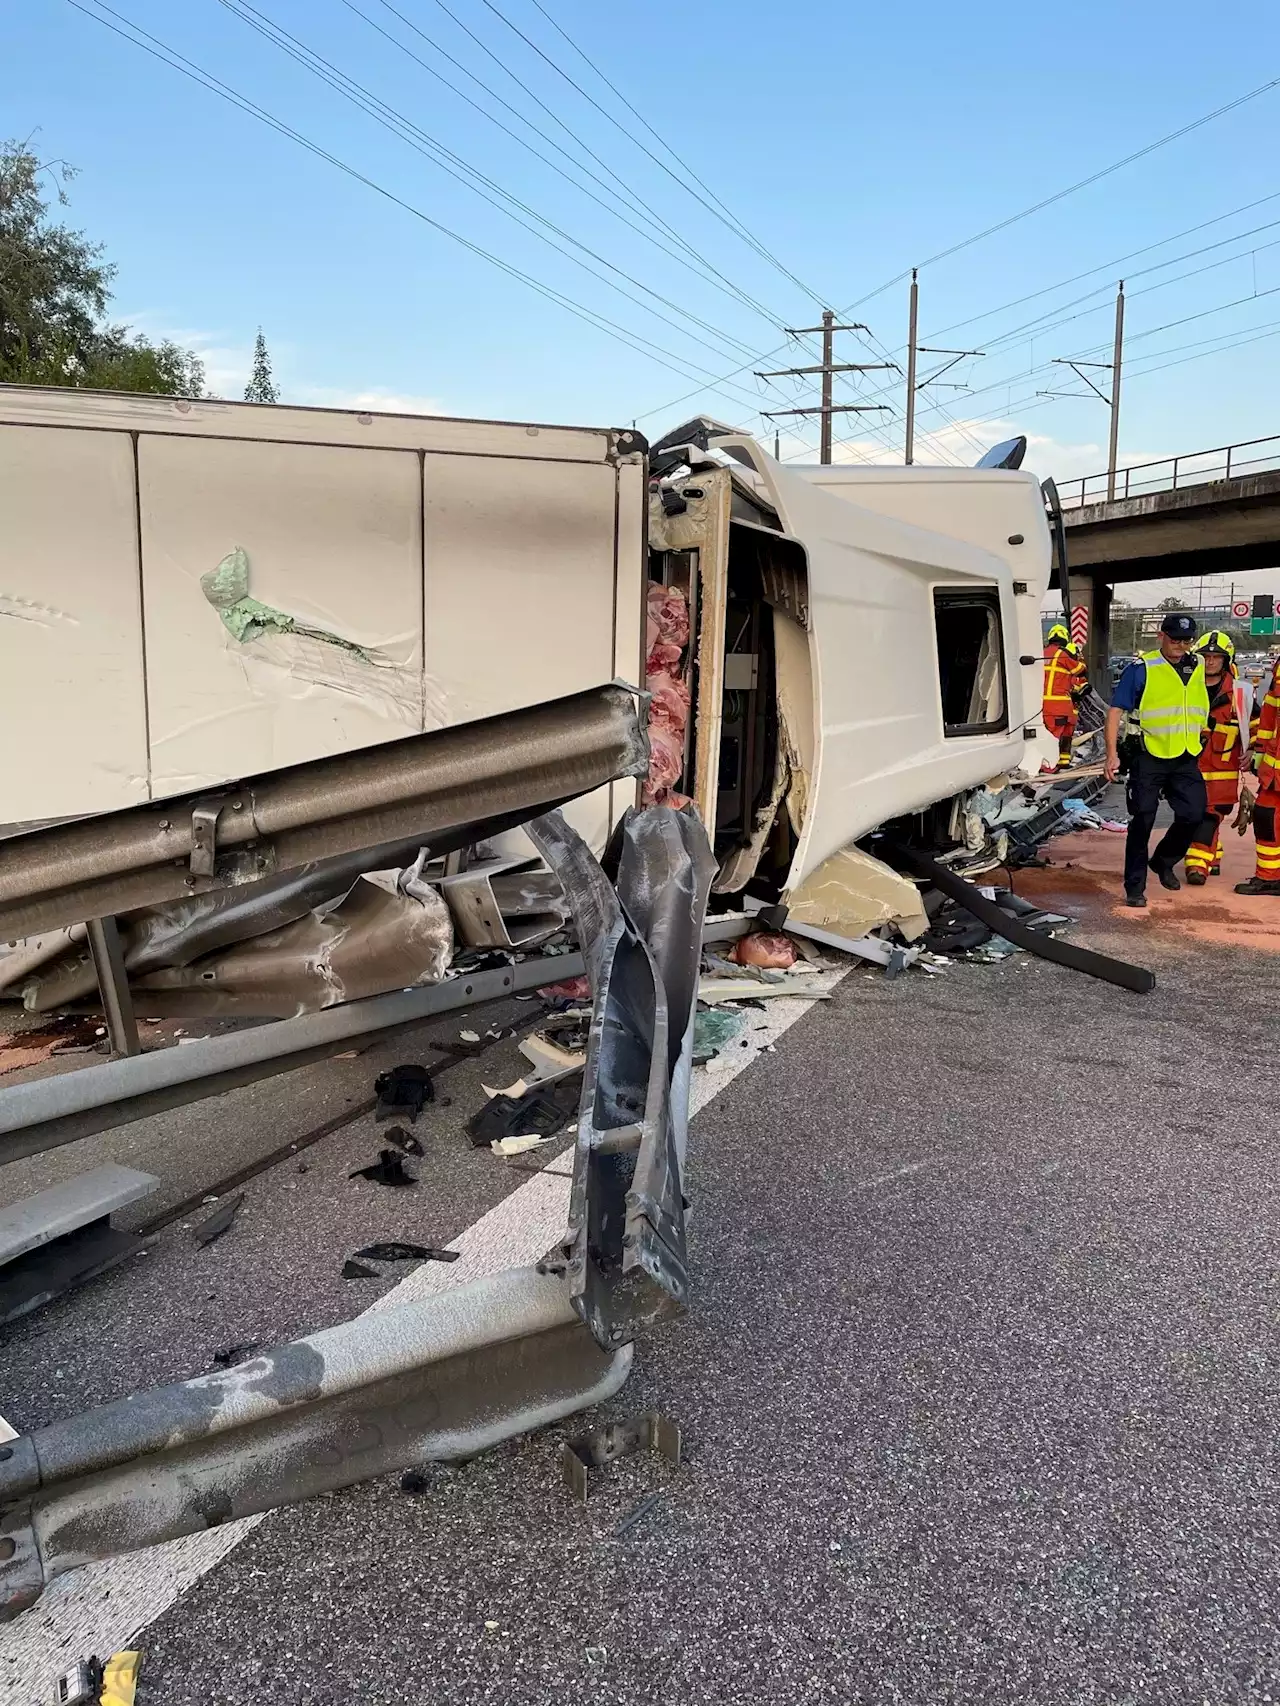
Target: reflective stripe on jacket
[
  {"x": 1222, "y": 754},
  {"x": 1172, "y": 714}
]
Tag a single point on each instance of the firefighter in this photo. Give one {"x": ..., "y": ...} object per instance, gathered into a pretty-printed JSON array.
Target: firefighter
[
  {"x": 1066, "y": 681},
  {"x": 1167, "y": 690},
  {"x": 1266, "y": 807},
  {"x": 1221, "y": 756}
]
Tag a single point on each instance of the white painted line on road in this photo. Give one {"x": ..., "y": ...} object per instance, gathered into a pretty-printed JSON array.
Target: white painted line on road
[{"x": 105, "y": 1607}]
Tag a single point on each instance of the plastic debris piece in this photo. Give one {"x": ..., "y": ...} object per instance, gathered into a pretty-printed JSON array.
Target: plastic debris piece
[
  {"x": 597, "y": 1655},
  {"x": 396, "y": 1250},
  {"x": 762, "y": 949},
  {"x": 120, "y": 1679},
  {"x": 518, "y": 1145},
  {"x": 357, "y": 1270},
  {"x": 232, "y": 1354},
  {"x": 388, "y": 1169},
  {"x": 714, "y": 989},
  {"x": 713, "y": 1031},
  {"x": 403, "y": 1092},
  {"x": 413, "y": 1482},
  {"x": 468, "y": 1036},
  {"x": 219, "y": 1221},
  {"x": 403, "y": 1140},
  {"x": 542, "y": 1110}
]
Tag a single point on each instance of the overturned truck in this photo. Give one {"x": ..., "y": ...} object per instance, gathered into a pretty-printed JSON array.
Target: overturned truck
[{"x": 300, "y": 703}]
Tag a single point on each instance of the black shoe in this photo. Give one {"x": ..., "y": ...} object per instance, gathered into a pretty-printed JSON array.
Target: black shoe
[
  {"x": 1166, "y": 876},
  {"x": 1255, "y": 885},
  {"x": 1134, "y": 897},
  {"x": 1196, "y": 879}
]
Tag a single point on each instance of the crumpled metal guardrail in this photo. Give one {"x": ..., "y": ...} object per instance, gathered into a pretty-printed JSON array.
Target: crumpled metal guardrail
[{"x": 442, "y": 1378}]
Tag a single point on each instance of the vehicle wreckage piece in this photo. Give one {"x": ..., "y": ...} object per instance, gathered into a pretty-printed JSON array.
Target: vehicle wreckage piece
[
  {"x": 456, "y": 1374},
  {"x": 435, "y": 1380},
  {"x": 493, "y": 772},
  {"x": 626, "y": 1246}
]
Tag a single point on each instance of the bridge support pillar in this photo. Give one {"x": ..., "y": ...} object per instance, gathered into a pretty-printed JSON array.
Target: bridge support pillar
[{"x": 1093, "y": 595}]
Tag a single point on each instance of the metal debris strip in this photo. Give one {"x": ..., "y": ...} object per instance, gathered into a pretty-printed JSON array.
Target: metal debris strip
[
  {"x": 642, "y": 947},
  {"x": 651, "y": 1432}
]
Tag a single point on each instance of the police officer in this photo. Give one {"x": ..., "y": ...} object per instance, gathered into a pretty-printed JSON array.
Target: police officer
[{"x": 1167, "y": 691}]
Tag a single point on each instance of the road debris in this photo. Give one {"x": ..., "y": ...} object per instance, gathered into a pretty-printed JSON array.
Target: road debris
[
  {"x": 714, "y": 1030},
  {"x": 518, "y": 1145},
  {"x": 716, "y": 989},
  {"x": 637, "y": 1515},
  {"x": 79, "y": 1685},
  {"x": 351, "y": 1269},
  {"x": 777, "y": 953},
  {"x": 403, "y": 1140},
  {"x": 120, "y": 1679},
  {"x": 219, "y": 1221},
  {"x": 388, "y": 1169},
  {"x": 572, "y": 989},
  {"x": 651, "y": 1431},
  {"x": 232, "y": 1354},
  {"x": 403, "y": 1092},
  {"x": 396, "y": 1250},
  {"x": 542, "y": 1110}
]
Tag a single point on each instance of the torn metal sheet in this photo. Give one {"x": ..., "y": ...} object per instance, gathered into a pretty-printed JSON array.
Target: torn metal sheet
[
  {"x": 476, "y": 777},
  {"x": 505, "y": 903},
  {"x": 851, "y": 893},
  {"x": 364, "y": 944},
  {"x": 626, "y": 1244},
  {"x": 189, "y": 929},
  {"x": 440, "y": 1379}
]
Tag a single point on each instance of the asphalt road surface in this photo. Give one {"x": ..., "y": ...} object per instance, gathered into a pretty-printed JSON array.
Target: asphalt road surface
[{"x": 979, "y": 1385}]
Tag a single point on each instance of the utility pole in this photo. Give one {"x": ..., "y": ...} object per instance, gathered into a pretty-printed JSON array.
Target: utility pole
[
  {"x": 909, "y": 455},
  {"x": 1115, "y": 394},
  {"x": 828, "y": 367},
  {"x": 914, "y": 351},
  {"x": 1113, "y": 401}
]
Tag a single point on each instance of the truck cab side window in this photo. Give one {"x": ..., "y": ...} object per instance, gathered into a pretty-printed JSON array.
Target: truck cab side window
[{"x": 970, "y": 661}]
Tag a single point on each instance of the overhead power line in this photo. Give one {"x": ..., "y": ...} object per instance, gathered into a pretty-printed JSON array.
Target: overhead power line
[
  {"x": 160, "y": 50},
  {"x": 1014, "y": 219},
  {"x": 460, "y": 169},
  {"x": 710, "y": 202}
]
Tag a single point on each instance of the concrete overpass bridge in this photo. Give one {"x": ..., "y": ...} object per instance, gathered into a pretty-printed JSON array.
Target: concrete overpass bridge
[{"x": 1213, "y": 512}]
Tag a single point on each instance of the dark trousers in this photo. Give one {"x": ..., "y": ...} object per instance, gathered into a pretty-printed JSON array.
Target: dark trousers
[{"x": 1151, "y": 780}]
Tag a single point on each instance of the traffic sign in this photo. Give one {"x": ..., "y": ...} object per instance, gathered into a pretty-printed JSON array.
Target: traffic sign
[{"x": 1241, "y": 607}]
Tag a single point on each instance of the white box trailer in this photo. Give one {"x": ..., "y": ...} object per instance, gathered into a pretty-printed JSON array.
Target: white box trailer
[{"x": 196, "y": 591}]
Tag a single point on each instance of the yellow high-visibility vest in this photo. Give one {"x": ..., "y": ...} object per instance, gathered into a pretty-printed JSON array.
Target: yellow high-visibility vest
[{"x": 1172, "y": 714}]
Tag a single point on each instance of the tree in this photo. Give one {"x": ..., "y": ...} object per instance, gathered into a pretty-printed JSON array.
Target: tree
[
  {"x": 54, "y": 291},
  {"x": 1173, "y": 602},
  {"x": 261, "y": 387}
]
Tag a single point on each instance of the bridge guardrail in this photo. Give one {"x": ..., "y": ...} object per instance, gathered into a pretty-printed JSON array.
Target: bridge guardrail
[{"x": 1171, "y": 473}]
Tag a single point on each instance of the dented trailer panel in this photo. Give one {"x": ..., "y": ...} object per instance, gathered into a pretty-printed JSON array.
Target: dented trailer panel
[{"x": 195, "y": 591}]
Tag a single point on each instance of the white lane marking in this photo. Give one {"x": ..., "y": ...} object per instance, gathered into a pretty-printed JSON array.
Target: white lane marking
[{"x": 107, "y": 1606}]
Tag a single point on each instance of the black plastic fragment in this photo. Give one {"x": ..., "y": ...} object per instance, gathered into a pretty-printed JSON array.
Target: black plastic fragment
[
  {"x": 396, "y": 1250},
  {"x": 542, "y": 1110},
  {"x": 357, "y": 1270},
  {"x": 388, "y": 1169},
  {"x": 219, "y": 1221},
  {"x": 403, "y": 1092},
  {"x": 1136, "y": 978},
  {"x": 403, "y": 1139},
  {"x": 232, "y": 1354},
  {"x": 413, "y": 1482}
]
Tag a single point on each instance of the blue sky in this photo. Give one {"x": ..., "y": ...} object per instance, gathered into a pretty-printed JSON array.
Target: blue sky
[{"x": 851, "y": 142}]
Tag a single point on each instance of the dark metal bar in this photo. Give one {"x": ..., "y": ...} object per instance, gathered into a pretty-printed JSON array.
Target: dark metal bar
[{"x": 113, "y": 985}]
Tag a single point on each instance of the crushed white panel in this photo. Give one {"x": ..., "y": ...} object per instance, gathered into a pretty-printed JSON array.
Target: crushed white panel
[{"x": 105, "y": 1607}]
